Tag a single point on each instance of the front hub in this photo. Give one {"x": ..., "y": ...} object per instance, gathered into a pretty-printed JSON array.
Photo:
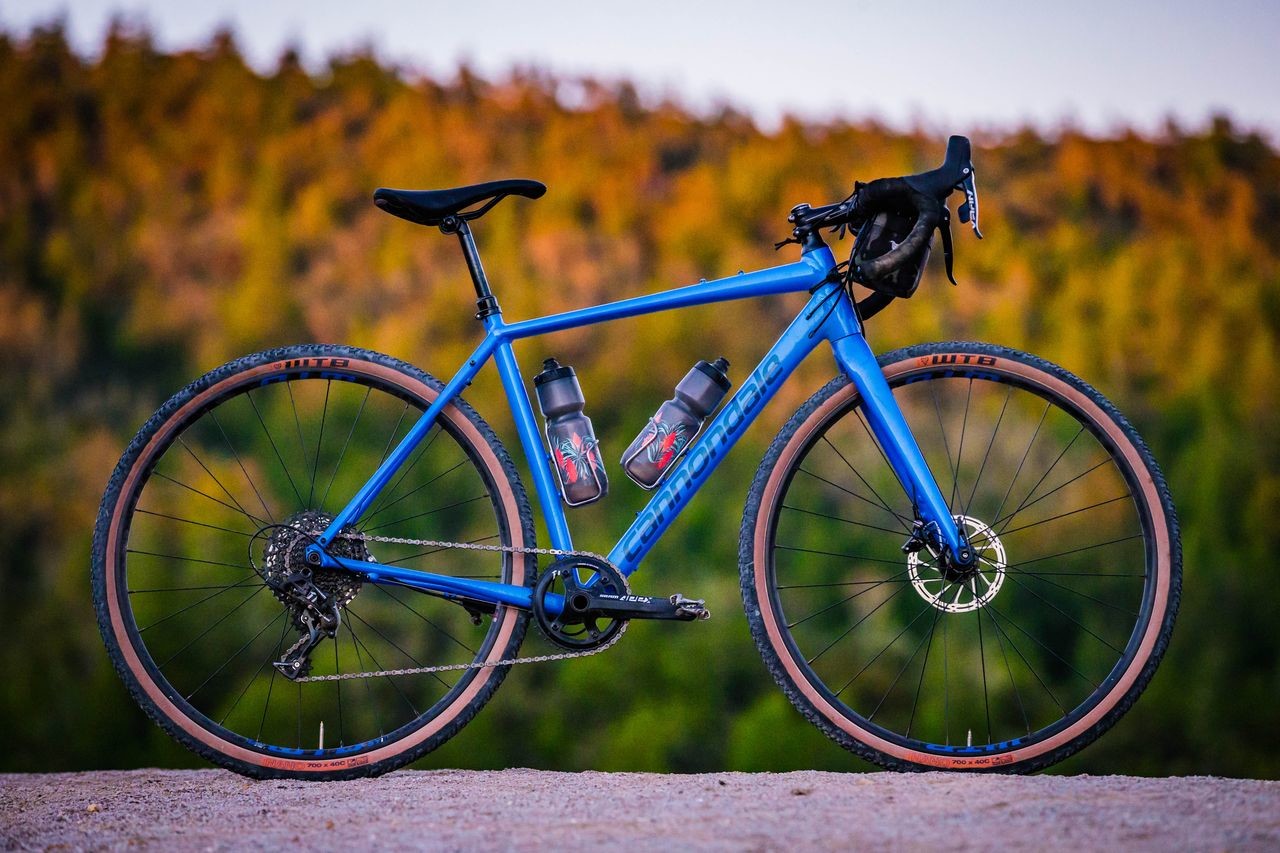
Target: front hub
[{"x": 953, "y": 586}]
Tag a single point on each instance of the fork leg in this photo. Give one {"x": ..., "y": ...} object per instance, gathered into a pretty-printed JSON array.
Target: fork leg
[{"x": 892, "y": 433}]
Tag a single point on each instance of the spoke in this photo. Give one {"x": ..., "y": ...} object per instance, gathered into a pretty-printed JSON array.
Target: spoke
[
  {"x": 1064, "y": 515},
  {"x": 1065, "y": 614},
  {"x": 982, "y": 658},
  {"x": 302, "y": 443},
  {"x": 946, "y": 446},
  {"x": 248, "y": 395},
  {"x": 241, "y": 585},
  {"x": 857, "y": 474},
  {"x": 905, "y": 522},
  {"x": 1002, "y": 632},
  {"x": 848, "y": 630},
  {"x": 887, "y": 463},
  {"x": 391, "y": 678},
  {"x": 397, "y": 647},
  {"x": 202, "y": 634},
  {"x": 895, "y": 639},
  {"x": 235, "y": 655},
  {"x": 1036, "y": 576},
  {"x": 987, "y": 455},
  {"x": 410, "y": 494},
  {"x": 1080, "y": 574},
  {"x": 924, "y": 666},
  {"x": 1090, "y": 470},
  {"x": 964, "y": 426},
  {"x": 214, "y": 414},
  {"x": 387, "y": 449},
  {"x": 343, "y": 453},
  {"x": 936, "y": 613},
  {"x": 368, "y": 688},
  {"x": 181, "y": 588},
  {"x": 390, "y": 493},
  {"x": 1005, "y": 655},
  {"x": 424, "y": 513},
  {"x": 843, "y": 583},
  {"x": 412, "y": 610},
  {"x": 946, "y": 683},
  {"x": 337, "y": 666},
  {"x": 189, "y": 559},
  {"x": 196, "y": 523},
  {"x": 275, "y": 655},
  {"x": 857, "y": 557},
  {"x": 1023, "y": 461},
  {"x": 1078, "y": 550},
  {"x": 218, "y": 482},
  {"x": 1033, "y": 639},
  {"x": 315, "y": 466},
  {"x": 842, "y": 520},
  {"x": 164, "y": 476},
  {"x": 1021, "y": 506}
]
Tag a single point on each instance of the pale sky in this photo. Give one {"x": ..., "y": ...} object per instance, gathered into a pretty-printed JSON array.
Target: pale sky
[{"x": 950, "y": 66}]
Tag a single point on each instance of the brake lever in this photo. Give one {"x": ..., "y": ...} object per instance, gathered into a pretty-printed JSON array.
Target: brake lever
[{"x": 968, "y": 211}]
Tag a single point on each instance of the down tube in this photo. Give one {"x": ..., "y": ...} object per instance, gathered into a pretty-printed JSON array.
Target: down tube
[{"x": 692, "y": 471}]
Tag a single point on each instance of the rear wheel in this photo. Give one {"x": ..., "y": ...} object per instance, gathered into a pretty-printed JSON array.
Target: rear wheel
[
  {"x": 222, "y": 490},
  {"x": 914, "y": 665}
]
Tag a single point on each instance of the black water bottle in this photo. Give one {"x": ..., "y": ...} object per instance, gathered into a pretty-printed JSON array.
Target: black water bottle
[
  {"x": 574, "y": 448},
  {"x": 671, "y": 430}
]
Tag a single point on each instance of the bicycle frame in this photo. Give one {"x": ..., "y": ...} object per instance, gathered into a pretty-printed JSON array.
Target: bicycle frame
[{"x": 828, "y": 316}]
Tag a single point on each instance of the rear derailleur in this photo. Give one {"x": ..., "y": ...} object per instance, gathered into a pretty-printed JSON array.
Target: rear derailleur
[{"x": 315, "y": 611}]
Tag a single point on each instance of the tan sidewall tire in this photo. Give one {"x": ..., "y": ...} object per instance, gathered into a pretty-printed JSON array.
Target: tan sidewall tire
[
  {"x": 756, "y": 555},
  {"x": 155, "y": 438}
]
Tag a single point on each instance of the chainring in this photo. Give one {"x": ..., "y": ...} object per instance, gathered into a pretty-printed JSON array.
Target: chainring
[{"x": 565, "y": 577}]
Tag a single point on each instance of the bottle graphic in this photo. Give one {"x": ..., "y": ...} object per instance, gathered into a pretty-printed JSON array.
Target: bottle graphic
[
  {"x": 669, "y": 432},
  {"x": 574, "y": 448}
]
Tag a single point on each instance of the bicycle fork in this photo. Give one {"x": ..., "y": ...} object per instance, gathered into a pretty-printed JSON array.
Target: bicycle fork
[{"x": 933, "y": 518}]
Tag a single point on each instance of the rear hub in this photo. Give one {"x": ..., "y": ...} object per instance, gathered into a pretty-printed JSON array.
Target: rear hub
[{"x": 285, "y": 556}]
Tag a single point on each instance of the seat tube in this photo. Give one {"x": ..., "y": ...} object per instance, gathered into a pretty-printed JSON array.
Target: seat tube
[
  {"x": 531, "y": 440},
  {"x": 894, "y": 436}
]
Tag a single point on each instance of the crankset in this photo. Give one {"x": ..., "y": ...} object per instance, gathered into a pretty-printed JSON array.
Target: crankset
[{"x": 595, "y": 603}]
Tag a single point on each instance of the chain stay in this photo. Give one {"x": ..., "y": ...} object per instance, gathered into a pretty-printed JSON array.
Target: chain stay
[{"x": 466, "y": 546}]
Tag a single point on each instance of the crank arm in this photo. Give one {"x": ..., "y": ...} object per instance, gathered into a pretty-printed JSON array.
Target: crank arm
[{"x": 674, "y": 608}]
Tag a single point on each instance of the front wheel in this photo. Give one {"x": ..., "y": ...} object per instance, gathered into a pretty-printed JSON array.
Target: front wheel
[{"x": 1013, "y": 665}]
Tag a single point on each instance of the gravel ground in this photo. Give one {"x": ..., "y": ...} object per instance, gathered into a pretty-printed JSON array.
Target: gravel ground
[{"x": 527, "y": 809}]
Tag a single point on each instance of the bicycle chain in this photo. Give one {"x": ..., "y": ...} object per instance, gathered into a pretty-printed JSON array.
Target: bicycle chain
[{"x": 468, "y": 546}]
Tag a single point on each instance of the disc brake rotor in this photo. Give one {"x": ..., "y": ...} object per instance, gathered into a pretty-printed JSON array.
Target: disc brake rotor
[{"x": 964, "y": 593}]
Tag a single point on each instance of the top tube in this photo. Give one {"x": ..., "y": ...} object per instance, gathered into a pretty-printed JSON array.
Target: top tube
[{"x": 805, "y": 274}]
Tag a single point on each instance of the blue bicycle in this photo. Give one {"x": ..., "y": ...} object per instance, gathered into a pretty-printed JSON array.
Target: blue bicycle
[{"x": 319, "y": 562}]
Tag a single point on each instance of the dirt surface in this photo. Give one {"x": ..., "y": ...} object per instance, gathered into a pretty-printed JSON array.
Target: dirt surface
[{"x": 526, "y": 809}]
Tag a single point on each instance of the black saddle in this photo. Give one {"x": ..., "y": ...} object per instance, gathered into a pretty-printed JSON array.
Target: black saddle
[{"x": 432, "y": 207}]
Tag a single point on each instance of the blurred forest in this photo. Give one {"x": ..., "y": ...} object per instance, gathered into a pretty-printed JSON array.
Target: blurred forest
[{"x": 162, "y": 213}]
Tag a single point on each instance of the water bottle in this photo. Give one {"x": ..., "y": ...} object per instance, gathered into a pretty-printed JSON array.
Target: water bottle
[
  {"x": 574, "y": 448},
  {"x": 671, "y": 430}
]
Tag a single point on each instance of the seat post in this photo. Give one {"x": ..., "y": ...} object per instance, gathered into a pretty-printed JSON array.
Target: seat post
[{"x": 486, "y": 302}]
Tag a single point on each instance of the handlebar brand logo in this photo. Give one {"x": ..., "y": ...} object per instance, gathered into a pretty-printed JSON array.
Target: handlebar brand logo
[{"x": 752, "y": 394}]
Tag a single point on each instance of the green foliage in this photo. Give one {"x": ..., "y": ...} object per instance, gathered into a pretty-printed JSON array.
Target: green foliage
[{"x": 161, "y": 213}]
